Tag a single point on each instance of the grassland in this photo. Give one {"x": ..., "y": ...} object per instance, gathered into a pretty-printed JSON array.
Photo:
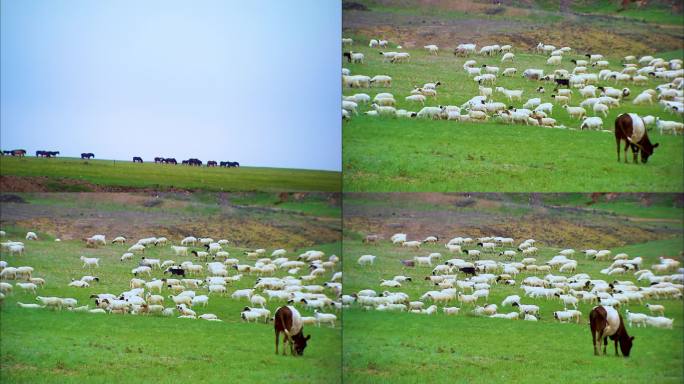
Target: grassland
[
  {"x": 395, "y": 154},
  {"x": 72, "y": 175},
  {"x": 408, "y": 348},
  {"x": 64, "y": 347}
]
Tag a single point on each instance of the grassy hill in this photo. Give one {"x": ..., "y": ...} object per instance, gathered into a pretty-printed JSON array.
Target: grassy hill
[
  {"x": 407, "y": 348},
  {"x": 39, "y": 345},
  {"x": 68, "y": 175},
  {"x": 396, "y": 154}
]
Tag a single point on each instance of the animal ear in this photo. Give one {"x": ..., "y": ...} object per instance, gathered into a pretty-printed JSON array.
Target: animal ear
[
  {"x": 656, "y": 145},
  {"x": 309, "y": 336},
  {"x": 631, "y": 338}
]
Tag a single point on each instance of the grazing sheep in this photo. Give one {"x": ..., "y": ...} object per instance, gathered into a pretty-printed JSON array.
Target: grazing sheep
[
  {"x": 366, "y": 259},
  {"x": 90, "y": 261},
  {"x": 575, "y": 112}
]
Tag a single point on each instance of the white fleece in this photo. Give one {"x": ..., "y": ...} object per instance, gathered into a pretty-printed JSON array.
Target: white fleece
[
  {"x": 638, "y": 128},
  {"x": 296, "y": 321}
]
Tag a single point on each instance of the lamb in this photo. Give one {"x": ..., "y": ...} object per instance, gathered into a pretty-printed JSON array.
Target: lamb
[
  {"x": 636, "y": 318},
  {"x": 451, "y": 310},
  {"x": 659, "y": 322},
  {"x": 527, "y": 308},
  {"x": 181, "y": 299},
  {"x": 242, "y": 293},
  {"x": 532, "y": 103},
  {"x": 90, "y": 261},
  {"x": 467, "y": 299},
  {"x": 142, "y": 269},
  {"x": 490, "y": 69},
  {"x": 487, "y": 78},
  {"x": 325, "y": 318},
  {"x": 510, "y": 94},
  {"x": 126, "y": 256},
  {"x": 401, "y": 57},
  {"x": 432, "y": 49},
  {"x": 664, "y": 125},
  {"x": 135, "y": 248},
  {"x": 509, "y": 72},
  {"x": 544, "y": 107},
  {"x": 507, "y": 57},
  {"x": 575, "y": 112},
  {"x": 416, "y": 98},
  {"x": 643, "y": 98},
  {"x": 423, "y": 261},
  {"x": 381, "y": 80},
  {"x": 383, "y": 111},
  {"x": 28, "y": 287},
  {"x": 354, "y": 57},
  {"x": 656, "y": 309},
  {"x": 118, "y": 240},
  {"x": 31, "y": 236},
  {"x": 51, "y": 302},
  {"x": 601, "y": 108},
  {"x": 554, "y": 60},
  {"x": 366, "y": 259},
  {"x": 430, "y": 112},
  {"x": 79, "y": 284},
  {"x": 533, "y": 74}
]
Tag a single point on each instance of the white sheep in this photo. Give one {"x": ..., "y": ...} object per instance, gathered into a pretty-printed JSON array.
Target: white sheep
[
  {"x": 366, "y": 259},
  {"x": 660, "y": 322},
  {"x": 325, "y": 318},
  {"x": 656, "y": 309},
  {"x": 575, "y": 112},
  {"x": 90, "y": 261},
  {"x": 381, "y": 80},
  {"x": 672, "y": 126},
  {"x": 432, "y": 49}
]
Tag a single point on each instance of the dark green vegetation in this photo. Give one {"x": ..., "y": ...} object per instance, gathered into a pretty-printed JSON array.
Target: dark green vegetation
[
  {"x": 406, "y": 348},
  {"x": 75, "y": 175},
  {"x": 39, "y": 345}
]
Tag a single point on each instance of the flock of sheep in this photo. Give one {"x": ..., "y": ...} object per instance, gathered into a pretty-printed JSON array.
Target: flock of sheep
[
  {"x": 188, "y": 285},
  {"x": 583, "y": 81},
  {"x": 495, "y": 262}
]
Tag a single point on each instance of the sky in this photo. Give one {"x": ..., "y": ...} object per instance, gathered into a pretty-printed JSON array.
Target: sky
[{"x": 249, "y": 81}]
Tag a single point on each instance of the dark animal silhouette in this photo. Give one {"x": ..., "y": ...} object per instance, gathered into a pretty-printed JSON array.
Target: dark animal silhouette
[
  {"x": 283, "y": 322},
  {"x": 601, "y": 330},
  {"x": 625, "y": 130}
]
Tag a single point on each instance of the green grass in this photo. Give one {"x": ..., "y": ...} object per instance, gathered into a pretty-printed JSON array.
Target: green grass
[
  {"x": 407, "y": 348},
  {"x": 45, "y": 346},
  {"x": 653, "y": 14},
  {"x": 124, "y": 174},
  {"x": 199, "y": 203},
  {"x": 316, "y": 205},
  {"x": 396, "y": 154}
]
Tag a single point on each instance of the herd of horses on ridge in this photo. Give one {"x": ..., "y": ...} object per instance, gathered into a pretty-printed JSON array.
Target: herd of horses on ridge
[{"x": 136, "y": 159}]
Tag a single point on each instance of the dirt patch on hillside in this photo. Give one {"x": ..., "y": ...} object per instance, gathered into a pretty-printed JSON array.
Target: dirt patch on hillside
[
  {"x": 49, "y": 184},
  {"x": 584, "y": 33},
  {"x": 552, "y": 226},
  {"x": 244, "y": 226}
]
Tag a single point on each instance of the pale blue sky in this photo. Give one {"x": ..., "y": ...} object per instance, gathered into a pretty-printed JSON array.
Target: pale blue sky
[{"x": 249, "y": 81}]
